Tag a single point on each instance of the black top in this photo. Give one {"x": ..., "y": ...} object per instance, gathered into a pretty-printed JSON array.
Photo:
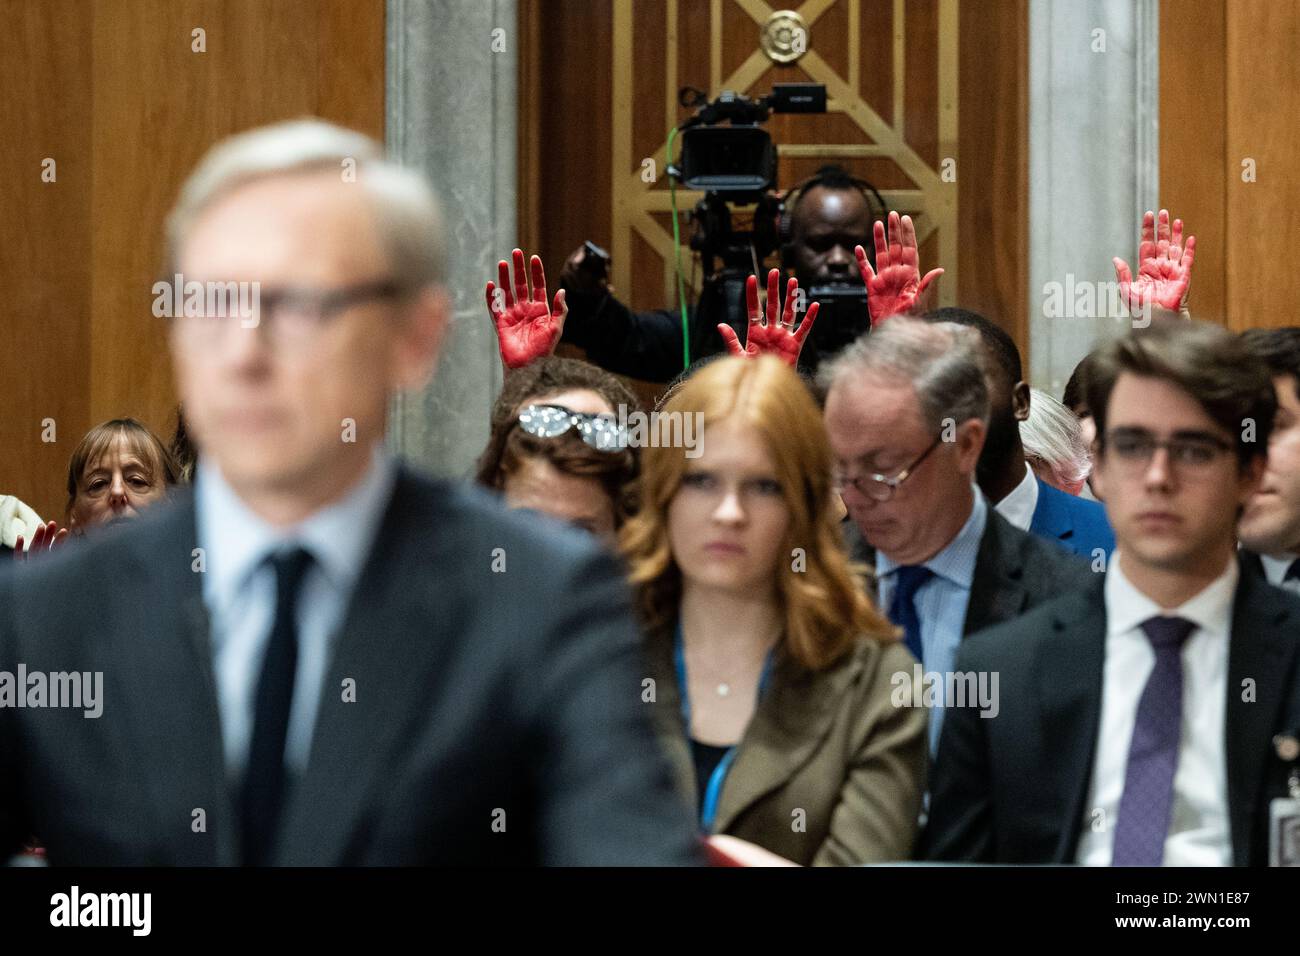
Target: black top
[{"x": 706, "y": 757}]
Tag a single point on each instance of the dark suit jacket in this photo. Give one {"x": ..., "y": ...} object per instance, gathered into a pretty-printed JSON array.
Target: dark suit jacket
[
  {"x": 1251, "y": 564},
  {"x": 830, "y": 743},
  {"x": 1075, "y": 523},
  {"x": 482, "y": 698},
  {"x": 1012, "y": 788},
  {"x": 1014, "y": 571}
]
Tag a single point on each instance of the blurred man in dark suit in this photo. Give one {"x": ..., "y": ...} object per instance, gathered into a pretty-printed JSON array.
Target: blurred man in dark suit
[
  {"x": 1137, "y": 717},
  {"x": 318, "y": 657},
  {"x": 1270, "y": 526}
]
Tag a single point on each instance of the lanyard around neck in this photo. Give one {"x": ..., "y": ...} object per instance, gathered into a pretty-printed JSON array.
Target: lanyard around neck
[{"x": 713, "y": 792}]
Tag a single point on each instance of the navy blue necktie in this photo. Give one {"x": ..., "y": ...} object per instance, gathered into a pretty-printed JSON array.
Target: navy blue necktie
[
  {"x": 1146, "y": 806},
  {"x": 264, "y": 778},
  {"x": 1292, "y": 571},
  {"x": 902, "y": 606}
]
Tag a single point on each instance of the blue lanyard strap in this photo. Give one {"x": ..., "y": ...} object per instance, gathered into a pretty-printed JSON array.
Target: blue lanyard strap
[{"x": 712, "y": 792}]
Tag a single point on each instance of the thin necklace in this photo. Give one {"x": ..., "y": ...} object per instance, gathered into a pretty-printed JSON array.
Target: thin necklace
[{"x": 723, "y": 688}]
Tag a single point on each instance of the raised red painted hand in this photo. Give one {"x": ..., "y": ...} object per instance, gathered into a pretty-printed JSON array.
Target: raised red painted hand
[
  {"x": 527, "y": 328},
  {"x": 767, "y": 334},
  {"x": 896, "y": 283}
]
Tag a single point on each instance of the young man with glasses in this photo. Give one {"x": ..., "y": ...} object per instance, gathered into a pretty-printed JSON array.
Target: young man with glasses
[
  {"x": 907, "y": 410},
  {"x": 1145, "y": 719}
]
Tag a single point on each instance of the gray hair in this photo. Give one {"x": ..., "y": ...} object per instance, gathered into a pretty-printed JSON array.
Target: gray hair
[
  {"x": 406, "y": 211},
  {"x": 1052, "y": 435},
  {"x": 943, "y": 361}
]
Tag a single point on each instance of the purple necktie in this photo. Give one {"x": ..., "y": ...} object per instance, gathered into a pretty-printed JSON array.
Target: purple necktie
[{"x": 1148, "y": 800}]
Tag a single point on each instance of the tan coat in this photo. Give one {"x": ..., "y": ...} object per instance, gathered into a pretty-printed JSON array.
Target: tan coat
[{"x": 829, "y": 771}]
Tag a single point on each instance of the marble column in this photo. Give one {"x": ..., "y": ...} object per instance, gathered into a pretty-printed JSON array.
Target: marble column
[
  {"x": 451, "y": 112},
  {"x": 1093, "y": 168}
]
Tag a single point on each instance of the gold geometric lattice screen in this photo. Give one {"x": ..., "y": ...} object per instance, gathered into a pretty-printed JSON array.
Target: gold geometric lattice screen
[{"x": 890, "y": 70}]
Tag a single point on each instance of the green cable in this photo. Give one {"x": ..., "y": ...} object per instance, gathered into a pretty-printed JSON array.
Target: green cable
[{"x": 677, "y": 255}]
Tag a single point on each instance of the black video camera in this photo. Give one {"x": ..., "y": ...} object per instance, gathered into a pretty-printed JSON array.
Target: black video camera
[{"x": 727, "y": 155}]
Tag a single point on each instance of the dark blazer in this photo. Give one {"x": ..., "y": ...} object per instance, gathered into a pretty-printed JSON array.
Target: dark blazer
[
  {"x": 1075, "y": 523},
  {"x": 1014, "y": 571},
  {"x": 482, "y": 699},
  {"x": 830, "y": 743},
  {"x": 1012, "y": 788},
  {"x": 1251, "y": 564}
]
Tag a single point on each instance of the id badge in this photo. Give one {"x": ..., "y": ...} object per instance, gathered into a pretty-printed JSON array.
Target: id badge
[{"x": 1284, "y": 832}]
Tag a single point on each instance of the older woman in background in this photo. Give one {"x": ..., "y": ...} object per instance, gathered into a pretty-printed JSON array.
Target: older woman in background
[
  {"x": 1054, "y": 443},
  {"x": 118, "y": 469},
  {"x": 773, "y": 674}
]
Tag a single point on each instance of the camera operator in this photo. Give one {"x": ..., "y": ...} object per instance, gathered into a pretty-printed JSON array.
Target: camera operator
[{"x": 828, "y": 216}]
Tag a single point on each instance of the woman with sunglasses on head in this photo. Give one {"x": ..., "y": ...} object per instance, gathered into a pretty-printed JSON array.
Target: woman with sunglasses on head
[
  {"x": 555, "y": 446},
  {"x": 774, "y": 676}
]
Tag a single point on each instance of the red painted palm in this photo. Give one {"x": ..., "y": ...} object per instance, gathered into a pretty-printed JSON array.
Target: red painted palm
[
  {"x": 766, "y": 335},
  {"x": 895, "y": 284},
  {"x": 1164, "y": 266},
  {"x": 527, "y": 328}
]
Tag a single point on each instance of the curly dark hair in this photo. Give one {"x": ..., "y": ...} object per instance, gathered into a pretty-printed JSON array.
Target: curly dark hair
[{"x": 508, "y": 445}]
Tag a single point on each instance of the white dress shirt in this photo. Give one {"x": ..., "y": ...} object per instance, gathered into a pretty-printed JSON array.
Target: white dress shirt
[
  {"x": 1199, "y": 833},
  {"x": 1019, "y": 506},
  {"x": 239, "y": 592},
  {"x": 1275, "y": 568}
]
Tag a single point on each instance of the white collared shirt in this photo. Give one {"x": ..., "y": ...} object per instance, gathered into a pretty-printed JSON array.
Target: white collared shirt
[
  {"x": 1199, "y": 831},
  {"x": 1275, "y": 568},
  {"x": 239, "y": 592},
  {"x": 1019, "y": 506}
]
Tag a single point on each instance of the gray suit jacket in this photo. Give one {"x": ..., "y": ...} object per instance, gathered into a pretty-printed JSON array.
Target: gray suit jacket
[
  {"x": 1014, "y": 571},
  {"x": 1012, "y": 788},
  {"x": 497, "y": 715}
]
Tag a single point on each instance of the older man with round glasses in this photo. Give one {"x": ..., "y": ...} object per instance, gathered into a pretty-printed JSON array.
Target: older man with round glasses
[{"x": 906, "y": 410}]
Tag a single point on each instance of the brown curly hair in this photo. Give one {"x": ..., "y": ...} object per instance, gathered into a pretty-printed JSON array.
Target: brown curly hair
[{"x": 508, "y": 445}]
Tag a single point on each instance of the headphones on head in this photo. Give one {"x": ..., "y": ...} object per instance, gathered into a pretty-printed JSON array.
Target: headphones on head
[{"x": 835, "y": 175}]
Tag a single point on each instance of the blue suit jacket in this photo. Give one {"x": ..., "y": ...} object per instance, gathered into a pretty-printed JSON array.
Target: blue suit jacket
[{"x": 1072, "y": 522}]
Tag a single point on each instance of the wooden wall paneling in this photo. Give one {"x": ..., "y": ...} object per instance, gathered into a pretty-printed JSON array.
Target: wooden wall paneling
[
  {"x": 45, "y": 54},
  {"x": 1263, "y": 217},
  {"x": 910, "y": 85},
  {"x": 993, "y": 165},
  {"x": 1195, "y": 169},
  {"x": 157, "y": 106}
]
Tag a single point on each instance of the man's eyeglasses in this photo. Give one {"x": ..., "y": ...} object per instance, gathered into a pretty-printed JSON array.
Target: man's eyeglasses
[
  {"x": 881, "y": 487},
  {"x": 1135, "y": 447},
  {"x": 601, "y": 432},
  {"x": 293, "y": 316}
]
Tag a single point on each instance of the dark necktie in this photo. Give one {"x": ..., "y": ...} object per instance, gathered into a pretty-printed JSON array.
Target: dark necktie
[
  {"x": 1292, "y": 571},
  {"x": 1146, "y": 806},
  {"x": 902, "y": 606},
  {"x": 264, "y": 779}
]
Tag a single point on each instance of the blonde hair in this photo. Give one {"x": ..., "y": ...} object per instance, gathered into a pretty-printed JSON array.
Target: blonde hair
[
  {"x": 825, "y": 604},
  {"x": 405, "y": 208}
]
